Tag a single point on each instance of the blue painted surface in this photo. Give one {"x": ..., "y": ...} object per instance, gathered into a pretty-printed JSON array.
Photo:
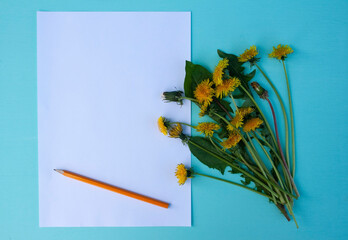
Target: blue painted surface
[{"x": 318, "y": 32}]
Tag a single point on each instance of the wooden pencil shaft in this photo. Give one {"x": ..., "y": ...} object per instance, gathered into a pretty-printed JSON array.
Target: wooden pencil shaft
[{"x": 112, "y": 188}]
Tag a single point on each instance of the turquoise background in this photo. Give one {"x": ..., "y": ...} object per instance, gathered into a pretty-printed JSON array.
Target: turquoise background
[{"x": 317, "y": 31}]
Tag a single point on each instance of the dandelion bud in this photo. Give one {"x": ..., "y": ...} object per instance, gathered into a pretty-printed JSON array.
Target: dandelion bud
[
  {"x": 175, "y": 131},
  {"x": 260, "y": 90},
  {"x": 175, "y": 96}
]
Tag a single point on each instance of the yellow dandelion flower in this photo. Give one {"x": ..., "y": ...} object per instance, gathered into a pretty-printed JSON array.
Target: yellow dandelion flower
[
  {"x": 252, "y": 124},
  {"x": 204, "y": 92},
  {"x": 182, "y": 174},
  {"x": 231, "y": 141},
  {"x": 207, "y": 128},
  {"x": 281, "y": 52},
  {"x": 236, "y": 122},
  {"x": 219, "y": 71},
  {"x": 203, "y": 110},
  {"x": 245, "y": 111},
  {"x": 236, "y": 82},
  {"x": 162, "y": 125},
  {"x": 175, "y": 131},
  {"x": 248, "y": 54},
  {"x": 226, "y": 87}
]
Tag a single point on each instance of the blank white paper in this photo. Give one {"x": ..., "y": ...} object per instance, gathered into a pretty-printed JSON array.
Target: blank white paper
[{"x": 100, "y": 80}]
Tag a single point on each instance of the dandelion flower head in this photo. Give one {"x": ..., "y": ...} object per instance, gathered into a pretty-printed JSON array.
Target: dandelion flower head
[
  {"x": 281, "y": 52},
  {"x": 227, "y": 86},
  {"x": 246, "y": 110},
  {"x": 231, "y": 141},
  {"x": 207, "y": 128},
  {"x": 252, "y": 124},
  {"x": 163, "y": 125},
  {"x": 182, "y": 174},
  {"x": 236, "y": 122},
  {"x": 248, "y": 54},
  {"x": 219, "y": 71},
  {"x": 204, "y": 92}
]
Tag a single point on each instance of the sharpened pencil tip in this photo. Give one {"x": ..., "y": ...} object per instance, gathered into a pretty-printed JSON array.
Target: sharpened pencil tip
[{"x": 59, "y": 171}]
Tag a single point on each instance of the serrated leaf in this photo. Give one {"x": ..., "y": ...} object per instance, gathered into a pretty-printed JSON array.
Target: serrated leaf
[
  {"x": 234, "y": 171},
  {"x": 226, "y": 105},
  {"x": 259, "y": 188},
  {"x": 199, "y": 74},
  {"x": 188, "y": 79},
  {"x": 247, "y": 180},
  {"x": 250, "y": 76},
  {"x": 248, "y": 103},
  {"x": 206, "y": 156},
  {"x": 238, "y": 94}
]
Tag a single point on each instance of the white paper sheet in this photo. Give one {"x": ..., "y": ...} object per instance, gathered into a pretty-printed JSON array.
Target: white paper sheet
[{"x": 100, "y": 79}]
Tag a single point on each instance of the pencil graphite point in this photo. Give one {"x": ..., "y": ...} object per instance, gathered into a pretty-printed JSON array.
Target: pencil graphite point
[{"x": 59, "y": 171}]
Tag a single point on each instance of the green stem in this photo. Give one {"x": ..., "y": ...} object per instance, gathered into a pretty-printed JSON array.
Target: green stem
[
  {"x": 279, "y": 158},
  {"x": 269, "y": 158},
  {"x": 191, "y": 99},
  {"x": 291, "y": 122},
  {"x": 219, "y": 148},
  {"x": 247, "y": 145},
  {"x": 255, "y": 155},
  {"x": 253, "y": 170},
  {"x": 223, "y": 108},
  {"x": 183, "y": 124},
  {"x": 277, "y": 135},
  {"x": 262, "y": 166},
  {"x": 274, "y": 185},
  {"x": 234, "y": 166},
  {"x": 284, "y": 113},
  {"x": 234, "y": 102},
  {"x": 240, "y": 158},
  {"x": 293, "y": 216},
  {"x": 285, "y": 169},
  {"x": 233, "y": 183},
  {"x": 243, "y": 161},
  {"x": 263, "y": 116},
  {"x": 291, "y": 213},
  {"x": 233, "y": 156},
  {"x": 257, "y": 159},
  {"x": 268, "y": 145}
]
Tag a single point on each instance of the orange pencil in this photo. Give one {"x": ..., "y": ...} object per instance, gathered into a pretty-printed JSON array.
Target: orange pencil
[{"x": 112, "y": 188}]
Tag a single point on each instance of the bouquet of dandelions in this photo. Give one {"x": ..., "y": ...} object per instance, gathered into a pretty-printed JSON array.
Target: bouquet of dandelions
[{"x": 239, "y": 135}]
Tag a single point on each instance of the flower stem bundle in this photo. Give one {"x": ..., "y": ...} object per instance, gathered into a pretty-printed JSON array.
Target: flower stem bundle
[{"x": 238, "y": 136}]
